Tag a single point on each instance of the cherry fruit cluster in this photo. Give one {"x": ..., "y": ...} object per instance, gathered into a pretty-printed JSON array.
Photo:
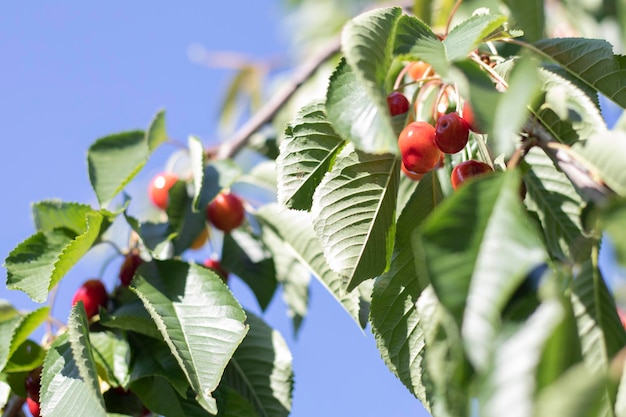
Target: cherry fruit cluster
[{"x": 423, "y": 144}]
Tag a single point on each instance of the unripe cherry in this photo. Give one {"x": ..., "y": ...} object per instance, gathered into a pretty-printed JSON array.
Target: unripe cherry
[
  {"x": 417, "y": 146},
  {"x": 418, "y": 70}
]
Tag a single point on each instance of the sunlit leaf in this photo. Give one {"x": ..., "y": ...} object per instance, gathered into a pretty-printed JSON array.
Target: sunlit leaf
[
  {"x": 296, "y": 230},
  {"x": 558, "y": 206},
  {"x": 15, "y": 330},
  {"x": 69, "y": 384},
  {"x": 474, "y": 277},
  {"x": 393, "y": 314},
  {"x": 354, "y": 214},
  {"x": 197, "y": 316},
  {"x": 306, "y": 154},
  {"x": 591, "y": 61},
  {"x": 38, "y": 264}
]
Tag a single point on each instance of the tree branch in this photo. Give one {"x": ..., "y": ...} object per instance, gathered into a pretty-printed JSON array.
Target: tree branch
[
  {"x": 14, "y": 407},
  {"x": 582, "y": 178},
  {"x": 267, "y": 112}
]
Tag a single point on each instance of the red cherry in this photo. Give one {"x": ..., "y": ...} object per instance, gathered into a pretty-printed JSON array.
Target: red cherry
[
  {"x": 33, "y": 384},
  {"x": 130, "y": 265},
  {"x": 159, "y": 188},
  {"x": 398, "y": 103},
  {"x": 451, "y": 133},
  {"x": 418, "y": 70},
  {"x": 226, "y": 212},
  {"x": 93, "y": 295},
  {"x": 466, "y": 170},
  {"x": 216, "y": 266},
  {"x": 33, "y": 407},
  {"x": 417, "y": 146},
  {"x": 412, "y": 175},
  {"x": 622, "y": 316},
  {"x": 468, "y": 116}
]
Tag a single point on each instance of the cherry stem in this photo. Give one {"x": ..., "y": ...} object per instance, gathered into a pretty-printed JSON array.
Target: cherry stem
[
  {"x": 14, "y": 407},
  {"x": 396, "y": 85},
  {"x": 420, "y": 93},
  {"x": 452, "y": 13},
  {"x": 490, "y": 70}
]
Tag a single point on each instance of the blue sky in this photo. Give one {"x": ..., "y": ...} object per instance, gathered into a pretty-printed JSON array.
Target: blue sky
[{"x": 76, "y": 71}]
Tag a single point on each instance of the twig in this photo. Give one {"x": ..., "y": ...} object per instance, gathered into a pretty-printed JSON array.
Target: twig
[
  {"x": 14, "y": 407},
  {"x": 267, "y": 112},
  {"x": 580, "y": 175}
]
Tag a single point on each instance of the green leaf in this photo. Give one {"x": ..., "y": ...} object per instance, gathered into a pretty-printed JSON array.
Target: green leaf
[
  {"x": 247, "y": 257},
  {"x": 357, "y": 114},
  {"x": 69, "y": 386},
  {"x": 506, "y": 384},
  {"x": 15, "y": 330},
  {"x": 291, "y": 274},
  {"x": 153, "y": 358},
  {"x": 511, "y": 111},
  {"x": 416, "y": 41},
  {"x": 467, "y": 35},
  {"x": 183, "y": 220},
  {"x": 261, "y": 370},
  {"x": 529, "y": 17},
  {"x": 233, "y": 404},
  {"x": 131, "y": 316},
  {"x": 306, "y": 153},
  {"x": 156, "y": 237},
  {"x": 112, "y": 356},
  {"x": 613, "y": 222},
  {"x": 448, "y": 374},
  {"x": 354, "y": 214},
  {"x": 476, "y": 275},
  {"x": 55, "y": 214},
  {"x": 558, "y": 206},
  {"x": 578, "y": 393},
  {"x": 393, "y": 313},
  {"x": 591, "y": 61},
  {"x": 295, "y": 228},
  {"x": 157, "y": 134},
  {"x": 28, "y": 356},
  {"x": 604, "y": 153},
  {"x": 209, "y": 178},
  {"x": 113, "y": 162},
  {"x": 568, "y": 112},
  {"x": 159, "y": 396},
  {"x": 601, "y": 332},
  {"x": 367, "y": 43},
  {"x": 177, "y": 295},
  {"x": 38, "y": 264}
]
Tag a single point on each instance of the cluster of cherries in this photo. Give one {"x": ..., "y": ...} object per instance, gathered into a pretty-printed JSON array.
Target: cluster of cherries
[
  {"x": 226, "y": 212},
  {"x": 422, "y": 145}
]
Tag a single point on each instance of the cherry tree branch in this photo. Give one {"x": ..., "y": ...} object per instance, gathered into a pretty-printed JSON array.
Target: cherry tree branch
[
  {"x": 14, "y": 407},
  {"x": 579, "y": 174},
  {"x": 267, "y": 112}
]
